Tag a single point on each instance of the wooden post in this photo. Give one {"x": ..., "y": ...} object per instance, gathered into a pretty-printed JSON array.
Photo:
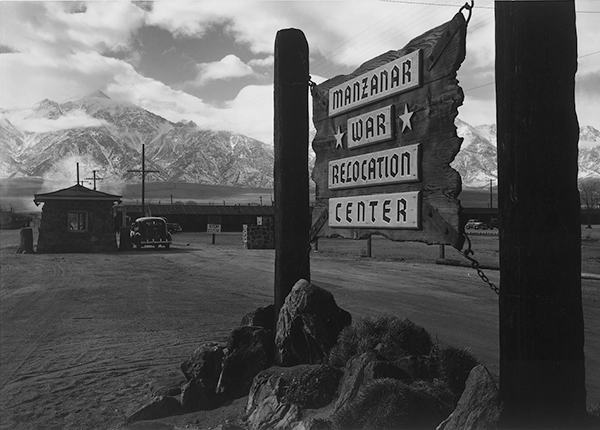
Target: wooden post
[
  {"x": 542, "y": 372},
  {"x": 213, "y": 238},
  {"x": 369, "y": 246},
  {"x": 442, "y": 254},
  {"x": 292, "y": 216}
]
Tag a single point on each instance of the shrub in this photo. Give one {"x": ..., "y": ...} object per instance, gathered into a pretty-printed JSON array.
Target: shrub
[
  {"x": 389, "y": 403},
  {"x": 391, "y": 337},
  {"x": 453, "y": 366}
]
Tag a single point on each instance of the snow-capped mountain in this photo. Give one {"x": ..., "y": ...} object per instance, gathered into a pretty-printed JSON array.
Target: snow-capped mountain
[
  {"x": 48, "y": 139},
  {"x": 476, "y": 161},
  {"x": 101, "y": 134}
]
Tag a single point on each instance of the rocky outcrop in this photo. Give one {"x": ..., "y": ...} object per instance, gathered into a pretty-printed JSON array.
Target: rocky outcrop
[
  {"x": 308, "y": 326},
  {"x": 249, "y": 350},
  {"x": 479, "y": 406},
  {"x": 362, "y": 369},
  {"x": 262, "y": 317},
  {"x": 279, "y": 395}
]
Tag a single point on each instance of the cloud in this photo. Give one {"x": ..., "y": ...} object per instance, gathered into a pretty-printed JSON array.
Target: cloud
[
  {"x": 229, "y": 67},
  {"x": 61, "y": 28},
  {"x": 262, "y": 62},
  {"x": 74, "y": 119}
]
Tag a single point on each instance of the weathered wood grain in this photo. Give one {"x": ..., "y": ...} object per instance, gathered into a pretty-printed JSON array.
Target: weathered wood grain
[{"x": 435, "y": 106}]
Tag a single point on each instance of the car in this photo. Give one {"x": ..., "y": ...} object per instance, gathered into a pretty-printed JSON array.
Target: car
[
  {"x": 174, "y": 227},
  {"x": 474, "y": 224},
  {"x": 150, "y": 231}
]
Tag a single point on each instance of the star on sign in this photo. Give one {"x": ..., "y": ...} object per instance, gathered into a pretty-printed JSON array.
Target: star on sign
[
  {"x": 405, "y": 117},
  {"x": 338, "y": 138}
]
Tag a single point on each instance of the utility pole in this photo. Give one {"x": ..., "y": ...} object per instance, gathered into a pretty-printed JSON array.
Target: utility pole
[
  {"x": 542, "y": 365},
  {"x": 95, "y": 178},
  {"x": 292, "y": 214},
  {"x": 144, "y": 172}
]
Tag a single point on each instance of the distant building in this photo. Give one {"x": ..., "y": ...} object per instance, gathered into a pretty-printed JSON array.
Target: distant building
[
  {"x": 77, "y": 219},
  {"x": 232, "y": 218}
]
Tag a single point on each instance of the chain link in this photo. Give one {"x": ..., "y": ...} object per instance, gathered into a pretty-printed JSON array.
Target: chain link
[{"x": 475, "y": 265}]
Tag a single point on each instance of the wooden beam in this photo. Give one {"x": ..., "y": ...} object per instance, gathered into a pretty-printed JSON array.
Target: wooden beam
[
  {"x": 292, "y": 215},
  {"x": 542, "y": 372}
]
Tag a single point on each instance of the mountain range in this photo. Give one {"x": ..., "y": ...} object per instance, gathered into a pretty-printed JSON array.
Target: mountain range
[
  {"x": 37, "y": 142},
  {"x": 103, "y": 135}
]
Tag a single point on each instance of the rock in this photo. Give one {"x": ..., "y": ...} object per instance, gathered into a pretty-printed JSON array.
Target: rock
[
  {"x": 311, "y": 424},
  {"x": 198, "y": 395},
  {"x": 249, "y": 350},
  {"x": 204, "y": 363},
  {"x": 261, "y": 317},
  {"x": 305, "y": 386},
  {"x": 272, "y": 413},
  {"x": 308, "y": 326},
  {"x": 362, "y": 369},
  {"x": 479, "y": 406},
  {"x": 160, "y": 407}
]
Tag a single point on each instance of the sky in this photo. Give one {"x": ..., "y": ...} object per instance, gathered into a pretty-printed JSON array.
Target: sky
[{"x": 211, "y": 62}]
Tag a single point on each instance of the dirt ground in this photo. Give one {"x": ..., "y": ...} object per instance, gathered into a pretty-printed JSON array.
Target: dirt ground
[{"x": 84, "y": 337}]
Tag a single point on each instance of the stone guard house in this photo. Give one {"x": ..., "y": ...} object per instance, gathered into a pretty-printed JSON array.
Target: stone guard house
[{"x": 77, "y": 219}]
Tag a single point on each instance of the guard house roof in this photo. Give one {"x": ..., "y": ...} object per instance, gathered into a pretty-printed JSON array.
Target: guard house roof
[
  {"x": 165, "y": 210},
  {"x": 76, "y": 192}
]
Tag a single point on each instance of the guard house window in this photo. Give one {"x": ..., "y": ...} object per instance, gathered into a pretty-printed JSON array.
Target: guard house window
[{"x": 78, "y": 221}]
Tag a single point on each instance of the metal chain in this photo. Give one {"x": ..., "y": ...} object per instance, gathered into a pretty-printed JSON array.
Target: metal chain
[{"x": 475, "y": 265}]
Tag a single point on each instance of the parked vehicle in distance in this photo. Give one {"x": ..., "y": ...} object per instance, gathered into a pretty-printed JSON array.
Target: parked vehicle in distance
[
  {"x": 174, "y": 227},
  {"x": 475, "y": 224},
  {"x": 150, "y": 231}
]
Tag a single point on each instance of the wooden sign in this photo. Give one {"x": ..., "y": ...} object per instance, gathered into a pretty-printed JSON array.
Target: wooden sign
[
  {"x": 385, "y": 140},
  {"x": 391, "y": 166},
  {"x": 213, "y": 228},
  {"x": 394, "y": 77}
]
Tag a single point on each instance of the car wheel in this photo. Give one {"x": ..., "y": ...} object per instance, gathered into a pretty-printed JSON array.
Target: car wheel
[{"x": 167, "y": 246}]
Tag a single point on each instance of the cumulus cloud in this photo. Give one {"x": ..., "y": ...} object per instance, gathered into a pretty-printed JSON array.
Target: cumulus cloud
[
  {"x": 73, "y": 119},
  {"x": 229, "y": 67}
]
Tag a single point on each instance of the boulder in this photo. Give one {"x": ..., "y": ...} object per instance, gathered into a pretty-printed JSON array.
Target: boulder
[
  {"x": 362, "y": 369},
  {"x": 479, "y": 406},
  {"x": 279, "y": 395},
  {"x": 198, "y": 395},
  {"x": 308, "y": 325},
  {"x": 204, "y": 363},
  {"x": 273, "y": 413},
  {"x": 249, "y": 350},
  {"x": 159, "y": 407},
  {"x": 311, "y": 423},
  {"x": 262, "y": 317}
]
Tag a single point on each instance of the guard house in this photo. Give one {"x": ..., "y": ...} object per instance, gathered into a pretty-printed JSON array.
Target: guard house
[{"x": 77, "y": 219}]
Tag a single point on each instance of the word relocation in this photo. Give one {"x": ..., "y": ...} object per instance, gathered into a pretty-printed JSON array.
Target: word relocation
[
  {"x": 397, "y": 76},
  {"x": 390, "y": 166},
  {"x": 397, "y": 210}
]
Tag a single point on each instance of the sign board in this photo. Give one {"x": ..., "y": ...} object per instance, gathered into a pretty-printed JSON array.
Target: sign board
[
  {"x": 385, "y": 140},
  {"x": 213, "y": 228}
]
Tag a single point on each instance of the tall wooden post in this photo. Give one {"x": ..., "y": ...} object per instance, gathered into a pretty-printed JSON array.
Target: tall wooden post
[
  {"x": 542, "y": 372},
  {"x": 292, "y": 215}
]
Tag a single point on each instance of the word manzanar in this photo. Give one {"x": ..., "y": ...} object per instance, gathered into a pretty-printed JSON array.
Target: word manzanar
[
  {"x": 390, "y": 166},
  {"x": 394, "y": 77},
  {"x": 397, "y": 210}
]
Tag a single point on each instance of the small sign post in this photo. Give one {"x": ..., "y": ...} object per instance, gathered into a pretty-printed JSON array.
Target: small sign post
[{"x": 213, "y": 226}]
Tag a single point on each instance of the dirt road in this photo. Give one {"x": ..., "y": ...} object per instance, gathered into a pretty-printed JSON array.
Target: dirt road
[{"x": 83, "y": 335}]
